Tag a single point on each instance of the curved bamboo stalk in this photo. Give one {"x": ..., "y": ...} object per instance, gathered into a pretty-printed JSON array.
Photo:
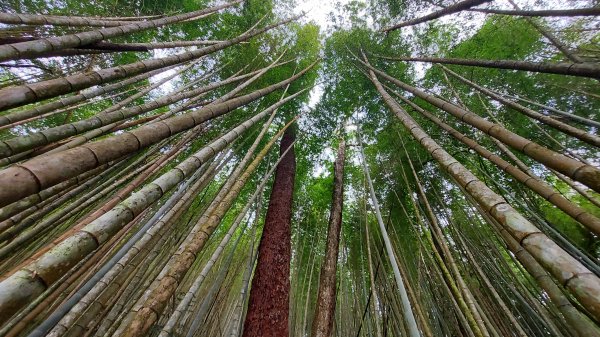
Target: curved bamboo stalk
[
  {"x": 39, "y": 47},
  {"x": 563, "y": 127},
  {"x": 23, "y": 94},
  {"x": 583, "y": 284},
  {"x": 455, "y": 8},
  {"x": 586, "y": 174},
  {"x": 42, "y": 172},
  {"x": 578, "y": 321}
]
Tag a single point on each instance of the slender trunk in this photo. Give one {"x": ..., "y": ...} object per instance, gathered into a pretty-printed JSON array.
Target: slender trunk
[
  {"x": 23, "y": 94},
  {"x": 268, "y": 307},
  {"x": 39, "y": 47},
  {"x": 43, "y": 172},
  {"x": 592, "y": 11},
  {"x": 558, "y": 125},
  {"x": 455, "y": 8},
  {"x": 590, "y": 70},
  {"x": 324, "y": 314},
  {"x": 582, "y": 283},
  {"x": 584, "y": 173}
]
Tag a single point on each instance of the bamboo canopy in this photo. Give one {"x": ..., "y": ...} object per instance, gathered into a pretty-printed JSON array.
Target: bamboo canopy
[{"x": 241, "y": 168}]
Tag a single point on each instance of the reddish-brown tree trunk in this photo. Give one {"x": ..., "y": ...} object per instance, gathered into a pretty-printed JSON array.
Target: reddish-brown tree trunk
[
  {"x": 323, "y": 321},
  {"x": 268, "y": 306}
]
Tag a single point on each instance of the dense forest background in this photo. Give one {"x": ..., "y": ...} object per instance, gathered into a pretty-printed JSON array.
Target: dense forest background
[{"x": 421, "y": 237}]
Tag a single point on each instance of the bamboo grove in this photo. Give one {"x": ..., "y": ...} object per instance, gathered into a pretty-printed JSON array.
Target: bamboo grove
[{"x": 236, "y": 168}]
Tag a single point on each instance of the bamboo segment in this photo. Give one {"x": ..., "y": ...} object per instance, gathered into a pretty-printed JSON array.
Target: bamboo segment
[
  {"x": 40, "y": 173},
  {"x": 566, "y": 128},
  {"x": 586, "y": 174},
  {"x": 24, "y": 94},
  {"x": 537, "y": 185},
  {"x": 61, "y": 258},
  {"x": 39, "y": 47},
  {"x": 584, "y": 285}
]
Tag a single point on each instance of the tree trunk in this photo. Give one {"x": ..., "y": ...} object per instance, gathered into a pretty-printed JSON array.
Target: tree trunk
[
  {"x": 592, "y": 11},
  {"x": 457, "y": 7},
  {"x": 268, "y": 307},
  {"x": 324, "y": 313},
  {"x": 84, "y": 158},
  {"x": 582, "y": 283},
  {"x": 584, "y": 173},
  {"x": 39, "y": 47},
  {"x": 573, "y": 69}
]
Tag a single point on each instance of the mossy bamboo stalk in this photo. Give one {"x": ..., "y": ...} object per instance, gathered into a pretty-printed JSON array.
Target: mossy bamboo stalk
[
  {"x": 586, "y": 174},
  {"x": 29, "y": 93},
  {"x": 62, "y": 257},
  {"x": 39, "y": 173},
  {"x": 39, "y": 47},
  {"x": 584, "y": 285}
]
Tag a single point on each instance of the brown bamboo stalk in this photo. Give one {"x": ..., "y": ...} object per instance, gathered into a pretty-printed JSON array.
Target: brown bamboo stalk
[
  {"x": 563, "y": 127},
  {"x": 455, "y": 8},
  {"x": 583, "y": 284},
  {"x": 586, "y": 174},
  {"x": 39, "y": 47},
  {"x": 40, "y": 173}
]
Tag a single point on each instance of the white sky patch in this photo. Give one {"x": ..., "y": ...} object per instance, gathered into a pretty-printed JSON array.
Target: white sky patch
[{"x": 318, "y": 11}]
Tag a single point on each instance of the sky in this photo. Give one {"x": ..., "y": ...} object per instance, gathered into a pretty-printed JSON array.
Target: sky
[{"x": 318, "y": 10}]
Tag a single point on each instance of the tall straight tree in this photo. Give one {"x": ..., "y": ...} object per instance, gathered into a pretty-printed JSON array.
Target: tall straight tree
[
  {"x": 268, "y": 307},
  {"x": 324, "y": 313}
]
